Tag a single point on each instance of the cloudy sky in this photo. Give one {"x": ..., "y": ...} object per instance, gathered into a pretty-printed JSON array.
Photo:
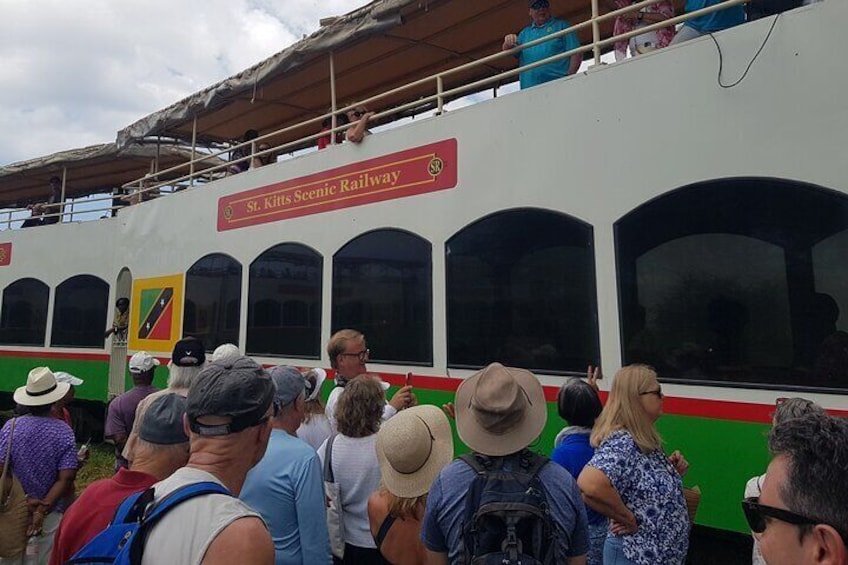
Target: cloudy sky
[{"x": 74, "y": 72}]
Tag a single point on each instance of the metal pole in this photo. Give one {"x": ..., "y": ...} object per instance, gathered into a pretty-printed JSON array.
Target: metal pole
[
  {"x": 596, "y": 32},
  {"x": 61, "y": 208},
  {"x": 440, "y": 102},
  {"x": 193, "y": 154},
  {"x": 332, "y": 99}
]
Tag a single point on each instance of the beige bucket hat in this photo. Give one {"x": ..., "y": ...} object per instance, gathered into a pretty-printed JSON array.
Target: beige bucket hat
[
  {"x": 500, "y": 410},
  {"x": 41, "y": 388},
  {"x": 412, "y": 447}
]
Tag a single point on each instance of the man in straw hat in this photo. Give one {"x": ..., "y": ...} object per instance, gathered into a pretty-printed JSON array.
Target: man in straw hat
[
  {"x": 228, "y": 412},
  {"x": 286, "y": 487},
  {"x": 500, "y": 411},
  {"x": 162, "y": 449}
]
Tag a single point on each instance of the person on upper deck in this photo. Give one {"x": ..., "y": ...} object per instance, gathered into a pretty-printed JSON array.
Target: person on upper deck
[
  {"x": 715, "y": 21},
  {"x": 239, "y": 156},
  {"x": 542, "y": 24},
  {"x": 359, "y": 116},
  {"x": 327, "y": 125},
  {"x": 649, "y": 15},
  {"x": 55, "y": 198}
]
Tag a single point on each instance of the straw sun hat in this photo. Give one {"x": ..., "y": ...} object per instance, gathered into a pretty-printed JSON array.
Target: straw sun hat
[
  {"x": 412, "y": 448},
  {"x": 41, "y": 389},
  {"x": 500, "y": 410}
]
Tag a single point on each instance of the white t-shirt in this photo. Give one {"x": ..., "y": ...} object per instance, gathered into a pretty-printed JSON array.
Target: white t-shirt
[{"x": 315, "y": 431}]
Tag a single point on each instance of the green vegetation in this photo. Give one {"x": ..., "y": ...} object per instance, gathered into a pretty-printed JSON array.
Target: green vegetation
[{"x": 101, "y": 465}]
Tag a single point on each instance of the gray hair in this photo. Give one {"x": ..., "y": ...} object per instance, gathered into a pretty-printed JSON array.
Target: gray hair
[
  {"x": 816, "y": 448},
  {"x": 182, "y": 377},
  {"x": 795, "y": 408},
  {"x": 174, "y": 451}
]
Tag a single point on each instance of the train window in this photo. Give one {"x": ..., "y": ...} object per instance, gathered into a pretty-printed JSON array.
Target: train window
[
  {"x": 738, "y": 282},
  {"x": 23, "y": 315},
  {"x": 382, "y": 286},
  {"x": 284, "y": 298},
  {"x": 80, "y": 312},
  {"x": 212, "y": 302},
  {"x": 521, "y": 291}
]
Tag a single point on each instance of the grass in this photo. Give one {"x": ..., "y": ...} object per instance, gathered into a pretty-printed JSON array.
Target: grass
[{"x": 101, "y": 465}]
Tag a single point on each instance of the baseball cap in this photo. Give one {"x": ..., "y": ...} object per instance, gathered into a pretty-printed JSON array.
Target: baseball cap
[
  {"x": 238, "y": 389},
  {"x": 63, "y": 377},
  {"x": 162, "y": 422},
  {"x": 188, "y": 352},
  {"x": 289, "y": 384},
  {"x": 141, "y": 362}
]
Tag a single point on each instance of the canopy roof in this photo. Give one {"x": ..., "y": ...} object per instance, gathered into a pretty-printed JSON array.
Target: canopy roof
[
  {"x": 376, "y": 48},
  {"x": 90, "y": 170}
]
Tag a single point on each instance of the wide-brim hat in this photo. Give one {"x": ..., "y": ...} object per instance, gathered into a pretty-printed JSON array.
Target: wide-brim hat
[
  {"x": 412, "y": 447},
  {"x": 41, "y": 389},
  {"x": 500, "y": 410}
]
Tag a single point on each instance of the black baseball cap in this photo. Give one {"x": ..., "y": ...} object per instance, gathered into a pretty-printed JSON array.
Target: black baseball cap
[
  {"x": 239, "y": 389},
  {"x": 188, "y": 352}
]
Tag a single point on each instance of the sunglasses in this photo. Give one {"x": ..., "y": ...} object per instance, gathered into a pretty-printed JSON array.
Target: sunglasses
[
  {"x": 362, "y": 355},
  {"x": 539, "y": 5},
  {"x": 756, "y": 514}
]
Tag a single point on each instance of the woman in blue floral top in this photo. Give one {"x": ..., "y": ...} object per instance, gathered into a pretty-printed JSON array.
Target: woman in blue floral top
[{"x": 632, "y": 481}]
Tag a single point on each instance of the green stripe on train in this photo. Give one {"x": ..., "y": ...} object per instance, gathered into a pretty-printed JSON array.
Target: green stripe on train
[{"x": 95, "y": 373}]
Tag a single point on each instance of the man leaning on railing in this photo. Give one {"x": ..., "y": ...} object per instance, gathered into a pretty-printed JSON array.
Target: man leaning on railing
[{"x": 542, "y": 23}]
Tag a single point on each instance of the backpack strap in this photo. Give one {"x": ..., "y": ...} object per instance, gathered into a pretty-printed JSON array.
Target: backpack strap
[
  {"x": 384, "y": 529},
  {"x": 151, "y": 515},
  {"x": 328, "y": 460}
]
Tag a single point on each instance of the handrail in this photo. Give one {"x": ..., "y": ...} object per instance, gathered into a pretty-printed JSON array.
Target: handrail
[{"x": 143, "y": 186}]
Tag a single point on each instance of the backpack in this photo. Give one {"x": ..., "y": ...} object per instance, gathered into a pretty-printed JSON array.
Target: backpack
[
  {"x": 507, "y": 517},
  {"x": 122, "y": 542}
]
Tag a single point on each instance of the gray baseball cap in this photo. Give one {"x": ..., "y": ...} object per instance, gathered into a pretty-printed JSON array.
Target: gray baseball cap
[
  {"x": 289, "y": 383},
  {"x": 162, "y": 422}
]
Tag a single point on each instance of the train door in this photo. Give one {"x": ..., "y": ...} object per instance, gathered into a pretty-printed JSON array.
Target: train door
[{"x": 118, "y": 351}]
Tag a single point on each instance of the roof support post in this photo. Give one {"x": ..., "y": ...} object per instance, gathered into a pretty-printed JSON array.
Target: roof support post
[
  {"x": 440, "y": 101},
  {"x": 333, "y": 99},
  {"x": 61, "y": 208},
  {"x": 596, "y": 33},
  {"x": 193, "y": 151}
]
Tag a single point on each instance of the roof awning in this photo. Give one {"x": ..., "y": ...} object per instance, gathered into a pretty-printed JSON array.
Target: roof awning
[
  {"x": 376, "y": 48},
  {"x": 90, "y": 170}
]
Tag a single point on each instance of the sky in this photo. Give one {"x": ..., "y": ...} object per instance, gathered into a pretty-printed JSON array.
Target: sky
[{"x": 74, "y": 72}]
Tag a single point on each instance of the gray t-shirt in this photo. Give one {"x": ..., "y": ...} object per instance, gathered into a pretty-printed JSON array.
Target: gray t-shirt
[{"x": 445, "y": 513}]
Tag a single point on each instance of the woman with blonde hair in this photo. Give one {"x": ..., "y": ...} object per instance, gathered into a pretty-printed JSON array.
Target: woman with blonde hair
[{"x": 631, "y": 480}]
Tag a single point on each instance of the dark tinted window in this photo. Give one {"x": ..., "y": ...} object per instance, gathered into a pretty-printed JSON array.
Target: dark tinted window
[
  {"x": 521, "y": 291},
  {"x": 740, "y": 282},
  {"x": 285, "y": 302},
  {"x": 213, "y": 298},
  {"x": 79, "y": 314},
  {"x": 23, "y": 315},
  {"x": 382, "y": 287}
]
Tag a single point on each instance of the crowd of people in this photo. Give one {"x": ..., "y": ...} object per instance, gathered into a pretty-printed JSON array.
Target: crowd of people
[{"x": 215, "y": 469}]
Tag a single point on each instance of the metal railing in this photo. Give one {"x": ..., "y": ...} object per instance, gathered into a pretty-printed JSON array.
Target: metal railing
[{"x": 144, "y": 187}]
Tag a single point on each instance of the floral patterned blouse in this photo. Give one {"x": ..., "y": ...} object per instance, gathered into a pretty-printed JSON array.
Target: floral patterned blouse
[
  {"x": 664, "y": 34},
  {"x": 652, "y": 489}
]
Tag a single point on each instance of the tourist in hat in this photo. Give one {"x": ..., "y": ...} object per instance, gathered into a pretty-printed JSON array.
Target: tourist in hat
[
  {"x": 229, "y": 408},
  {"x": 43, "y": 454},
  {"x": 60, "y": 409},
  {"x": 542, "y": 23},
  {"x": 500, "y": 412},
  {"x": 630, "y": 465},
  {"x": 187, "y": 360},
  {"x": 315, "y": 427},
  {"x": 354, "y": 464},
  {"x": 286, "y": 487},
  {"x": 412, "y": 448},
  {"x": 120, "y": 416},
  {"x": 162, "y": 449}
]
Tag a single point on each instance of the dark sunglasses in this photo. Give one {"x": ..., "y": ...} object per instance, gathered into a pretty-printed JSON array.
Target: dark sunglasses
[
  {"x": 540, "y": 4},
  {"x": 756, "y": 514}
]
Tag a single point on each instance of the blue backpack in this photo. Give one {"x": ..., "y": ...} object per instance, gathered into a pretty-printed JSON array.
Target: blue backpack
[{"x": 122, "y": 542}]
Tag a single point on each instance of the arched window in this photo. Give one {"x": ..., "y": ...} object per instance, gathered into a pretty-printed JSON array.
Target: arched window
[
  {"x": 521, "y": 291},
  {"x": 212, "y": 301},
  {"x": 284, "y": 316},
  {"x": 80, "y": 312},
  {"x": 23, "y": 315},
  {"x": 382, "y": 286},
  {"x": 738, "y": 281}
]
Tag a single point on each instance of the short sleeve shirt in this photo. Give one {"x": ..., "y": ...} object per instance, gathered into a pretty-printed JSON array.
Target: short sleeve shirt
[
  {"x": 544, "y": 50},
  {"x": 442, "y": 528},
  {"x": 715, "y": 21},
  {"x": 41, "y": 447},
  {"x": 652, "y": 489}
]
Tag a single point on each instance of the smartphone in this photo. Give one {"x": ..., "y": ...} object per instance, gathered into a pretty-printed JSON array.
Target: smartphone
[
  {"x": 409, "y": 379},
  {"x": 82, "y": 454}
]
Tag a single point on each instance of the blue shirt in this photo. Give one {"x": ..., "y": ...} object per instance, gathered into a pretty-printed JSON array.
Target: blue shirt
[
  {"x": 716, "y": 21},
  {"x": 573, "y": 453},
  {"x": 544, "y": 50},
  {"x": 652, "y": 489},
  {"x": 287, "y": 489},
  {"x": 442, "y": 527}
]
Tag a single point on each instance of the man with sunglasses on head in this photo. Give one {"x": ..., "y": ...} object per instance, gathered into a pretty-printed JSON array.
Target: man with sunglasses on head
[
  {"x": 359, "y": 117},
  {"x": 801, "y": 515},
  {"x": 348, "y": 353},
  {"x": 542, "y": 24}
]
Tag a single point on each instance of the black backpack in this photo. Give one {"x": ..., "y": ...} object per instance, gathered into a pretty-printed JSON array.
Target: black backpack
[{"x": 507, "y": 517}]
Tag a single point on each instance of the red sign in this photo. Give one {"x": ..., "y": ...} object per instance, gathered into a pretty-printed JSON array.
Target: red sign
[
  {"x": 415, "y": 171},
  {"x": 5, "y": 254}
]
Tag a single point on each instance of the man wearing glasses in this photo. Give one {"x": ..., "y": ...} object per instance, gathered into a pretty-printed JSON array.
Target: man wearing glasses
[
  {"x": 801, "y": 515},
  {"x": 542, "y": 23},
  {"x": 348, "y": 353}
]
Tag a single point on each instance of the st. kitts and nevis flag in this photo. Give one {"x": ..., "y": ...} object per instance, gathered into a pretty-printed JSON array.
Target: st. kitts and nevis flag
[{"x": 155, "y": 323}]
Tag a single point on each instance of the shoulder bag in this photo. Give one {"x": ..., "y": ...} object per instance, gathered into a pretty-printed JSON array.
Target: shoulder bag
[
  {"x": 14, "y": 514},
  {"x": 335, "y": 513}
]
